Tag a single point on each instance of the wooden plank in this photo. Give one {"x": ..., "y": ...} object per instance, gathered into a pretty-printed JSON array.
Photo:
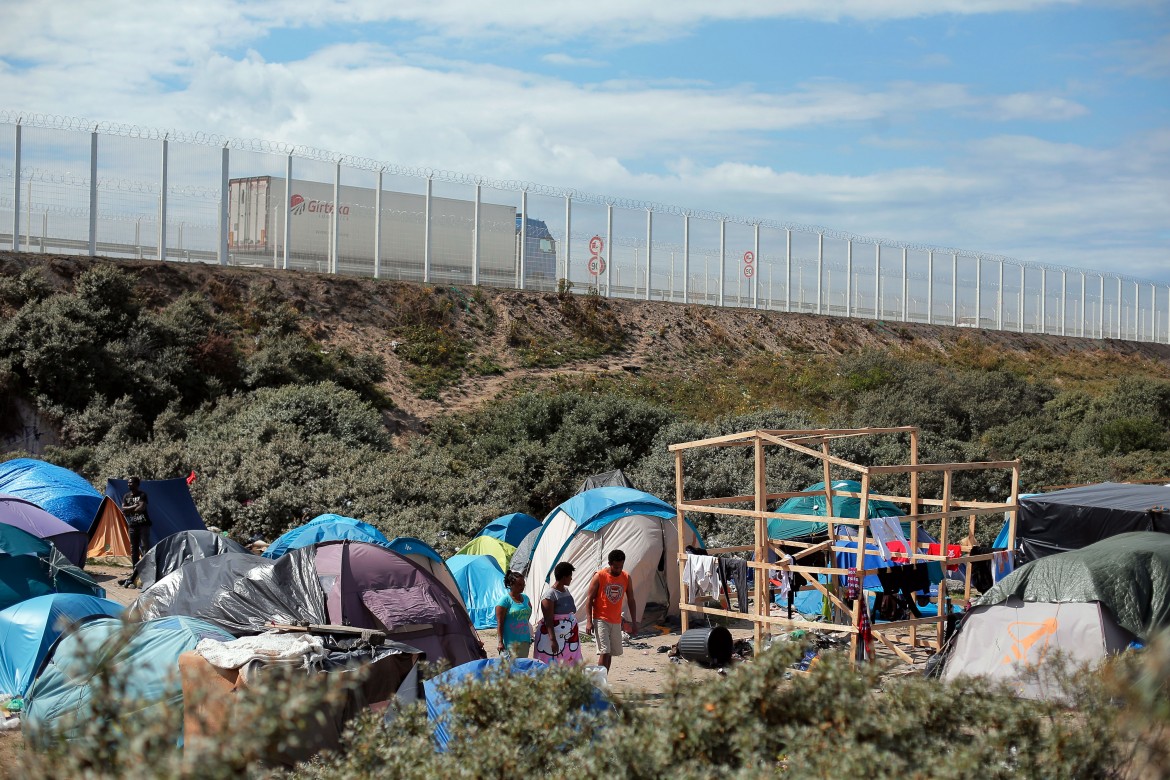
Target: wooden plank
[
  {"x": 769, "y": 619},
  {"x": 843, "y": 432},
  {"x": 1014, "y": 517},
  {"x": 897, "y": 650},
  {"x": 740, "y": 548},
  {"x": 727, "y": 500},
  {"x": 828, "y": 594},
  {"x": 680, "y": 523},
  {"x": 761, "y": 533},
  {"x": 731, "y": 437},
  {"x": 827, "y": 480},
  {"x": 908, "y": 469},
  {"x": 815, "y": 454},
  {"x": 716, "y": 510}
]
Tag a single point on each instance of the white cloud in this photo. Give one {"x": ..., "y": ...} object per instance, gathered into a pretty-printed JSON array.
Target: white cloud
[{"x": 560, "y": 58}]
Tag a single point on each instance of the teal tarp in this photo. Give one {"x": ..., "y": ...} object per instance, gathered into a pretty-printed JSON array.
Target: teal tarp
[
  {"x": 1129, "y": 574},
  {"x": 32, "y": 567},
  {"x": 843, "y": 506},
  {"x": 481, "y": 583},
  {"x": 142, "y": 664},
  {"x": 29, "y": 629},
  {"x": 58, "y": 491}
]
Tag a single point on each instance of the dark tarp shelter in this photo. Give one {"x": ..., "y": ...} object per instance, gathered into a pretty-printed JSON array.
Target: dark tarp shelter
[
  {"x": 239, "y": 592},
  {"x": 169, "y": 505},
  {"x": 178, "y": 549},
  {"x": 1070, "y": 519},
  {"x": 34, "y": 567},
  {"x": 522, "y": 558},
  {"x": 27, "y": 516},
  {"x": 615, "y": 478},
  {"x": 341, "y": 583}
]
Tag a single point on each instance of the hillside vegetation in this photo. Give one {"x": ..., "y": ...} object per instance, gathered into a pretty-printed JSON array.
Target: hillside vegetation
[{"x": 428, "y": 410}]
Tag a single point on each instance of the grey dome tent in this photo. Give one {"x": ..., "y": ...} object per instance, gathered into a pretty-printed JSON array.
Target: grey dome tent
[
  {"x": 1086, "y": 605},
  {"x": 179, "y": 549},
  {"x": 615, "y": 478}
]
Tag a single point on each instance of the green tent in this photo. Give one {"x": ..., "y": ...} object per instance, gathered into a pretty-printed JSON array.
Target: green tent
[
  {"x": 487, "y": 545},
  {"x": 34, "y": 567},
  {"x": 1128, "y": 574},
  {"x": 843, "y": 506}
]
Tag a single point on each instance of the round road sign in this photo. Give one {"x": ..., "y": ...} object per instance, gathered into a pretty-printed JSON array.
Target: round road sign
[
  {"x": 596, "y": 245},
  {"x": 596, "y": 265},
  {"x": 749, "y": 257},
  {"x": 749, "y": 271}
]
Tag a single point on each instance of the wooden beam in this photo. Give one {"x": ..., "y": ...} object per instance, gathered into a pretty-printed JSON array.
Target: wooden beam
[
  {"x": 842, "y": 432},
  {"x": 908, "y": 469},
  {"x": 815, "y": 454},
  {"x": 769, "y": 619},
  {"x": 680, "y": 523},
  {"x": 761, "y": 533},
  {"x": 745, "y": 437},
  {"x": 897, "y": 650}
]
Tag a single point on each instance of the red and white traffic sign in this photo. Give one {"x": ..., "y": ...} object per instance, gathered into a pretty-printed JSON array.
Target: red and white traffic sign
[
  {"x": 749, "y": 257},
  {"x": 749, "y": 271},
  {"x": 596, "y": 244},
  {"x": 596, "y": 265}
]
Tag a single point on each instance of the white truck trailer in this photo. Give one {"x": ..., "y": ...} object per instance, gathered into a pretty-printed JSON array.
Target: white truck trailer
[{"x": 256, "y": 233}]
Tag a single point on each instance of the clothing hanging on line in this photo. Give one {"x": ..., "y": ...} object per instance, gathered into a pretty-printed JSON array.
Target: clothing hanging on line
[
  {"x": 701, "y": 576},
  {"x": 734, "y": 571},
  {"x": 886, "y": 530}
]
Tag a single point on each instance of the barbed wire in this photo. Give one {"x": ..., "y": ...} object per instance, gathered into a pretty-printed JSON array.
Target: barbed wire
[{"x": 81, "y": 124}]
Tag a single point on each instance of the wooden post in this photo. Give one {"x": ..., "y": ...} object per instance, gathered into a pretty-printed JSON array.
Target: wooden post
[
  {"x": 828, "y": 477},
  {"x": 942, "y": 586},
  {"x": 761, "y": 589},
  {"x": 862, "y": 538},
  {"x": 1014, "y": 515},
  {"x": 680, "y": 521},
  {"x": 913, "y": 523}
]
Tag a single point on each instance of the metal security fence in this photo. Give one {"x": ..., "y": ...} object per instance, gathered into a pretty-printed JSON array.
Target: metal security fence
[{"x": 74, "y": 186}]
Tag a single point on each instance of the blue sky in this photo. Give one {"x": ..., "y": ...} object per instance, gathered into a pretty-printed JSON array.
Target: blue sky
[{"x": 1037, "y": 129}]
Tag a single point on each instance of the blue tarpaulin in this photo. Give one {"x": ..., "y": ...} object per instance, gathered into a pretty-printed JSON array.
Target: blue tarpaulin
[
  {"x": 57, "y": 490},
  {"x": 325, "y": 528}
]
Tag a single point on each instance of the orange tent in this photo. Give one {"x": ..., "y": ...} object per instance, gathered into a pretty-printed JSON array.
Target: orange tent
[{"x": 109, "y": 538}]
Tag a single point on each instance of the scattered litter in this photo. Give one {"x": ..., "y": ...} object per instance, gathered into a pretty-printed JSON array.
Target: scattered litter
[{"x": 664, "y": 649}]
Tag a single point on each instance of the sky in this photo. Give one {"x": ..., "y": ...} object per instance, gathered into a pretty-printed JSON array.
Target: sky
[{"x": 1035, "y": 129}]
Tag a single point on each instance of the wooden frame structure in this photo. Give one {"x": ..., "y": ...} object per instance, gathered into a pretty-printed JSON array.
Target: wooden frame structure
[{"x": 816, "y": 444}]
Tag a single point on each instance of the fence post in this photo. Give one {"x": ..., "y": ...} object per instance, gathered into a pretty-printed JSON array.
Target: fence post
[
  {"x": 849, "y": 277},
  {"x": 609, "y": 244},
  {"x": 978, "y": 290},
  {"x": 224, "y": 210},
  {"x": 1084, "y": 314},
  {"x": 1101, "y": 309},
  {"x": 162, "y": 205},
  {"x": 877, "y": 281},
  {"x": 756, "y": 273},
  {"x": 568, "y": 236},
  {"x": 999, "y": 299},
  {"x": 426, "y": 233},
  {"x": 335, "y": 220},
  {"x": 1063, "y": 300},
  {"x": 522, "y": 254},
  {"x": 288, "y": 171},
  {"x": 1120, "y": 335},
  {"x": 1023, "y": 286},
  {"x": 954, "y": 288},
  {"x": 788, "y": 269},
  {"x": 1043, "y": 299},
  {"x": 475, "y": 235},
  {"x": 16, "y": 191},
  {"x": 905, "y": 288},
  {"x": 722, "y": 257},
  {"x": 93, "y": 195},
  {"x": 378, "y": 226},
  {"x": 686, "y": 274},
  {"x": 820, "y": 267},
  {"x": 649, "y": 243},
  {"x": 930, "y": 287}
]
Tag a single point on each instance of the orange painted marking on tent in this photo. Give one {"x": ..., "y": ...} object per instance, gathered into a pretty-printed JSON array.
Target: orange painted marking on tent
[{"x": 1023, "y": 645}]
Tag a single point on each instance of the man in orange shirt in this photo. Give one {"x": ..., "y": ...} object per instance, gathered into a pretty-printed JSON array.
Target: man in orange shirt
[{"x": 607, "y": 589}]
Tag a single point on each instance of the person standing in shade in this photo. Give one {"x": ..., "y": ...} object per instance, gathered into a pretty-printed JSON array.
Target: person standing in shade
[
  {"x": 557, "y": 640},
  {"x": 512, "y": 616},
  {"x": 134, "y": 507},
  {"x": 607, "y": 589}
]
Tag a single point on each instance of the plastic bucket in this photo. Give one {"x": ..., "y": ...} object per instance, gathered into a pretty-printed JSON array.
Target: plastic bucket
[{"x": 712, "y": 646}]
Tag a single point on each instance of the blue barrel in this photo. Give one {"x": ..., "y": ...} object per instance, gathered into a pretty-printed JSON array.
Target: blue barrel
[{"x": 711, "y": 646}]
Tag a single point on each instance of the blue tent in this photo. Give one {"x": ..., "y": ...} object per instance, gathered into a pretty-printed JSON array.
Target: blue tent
[
  {"x": 817, "y": 506},
  {"x": 481, "y": 584},
  {"x": 169, "y": 505},
  {"x": 27, "y": 516},
  {"x": 143, "y": 661},
  {"x": 29, "y": 629},
  {"x": 32, "y": 567},
  {"x": 511, "y": 529},
  {"x": 56, "y": 490},
  {"x": 438, "y": 706},
  {"x": 409, "y": 545},
  {"x": 325, "y": 528}
]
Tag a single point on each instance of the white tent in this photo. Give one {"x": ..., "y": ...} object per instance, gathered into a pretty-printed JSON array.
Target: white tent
[{"x": 587, "y": 527}]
